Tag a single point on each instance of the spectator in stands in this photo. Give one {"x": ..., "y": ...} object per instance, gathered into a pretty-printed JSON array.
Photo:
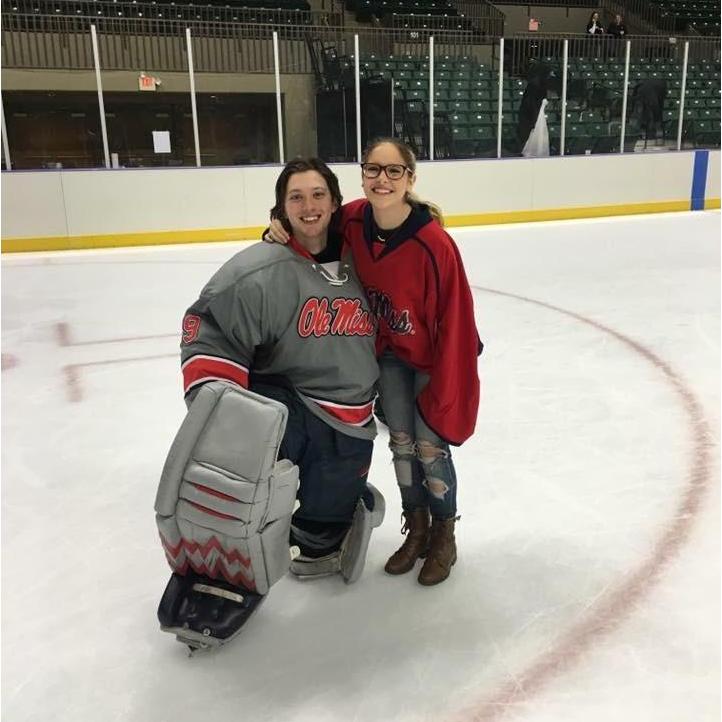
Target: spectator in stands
[
  {"x": 617, "y": 29},
  {"x": 647, "y": 106},
  {"x": 594, "y": 26},
  {"x": 534, "y": 93}
]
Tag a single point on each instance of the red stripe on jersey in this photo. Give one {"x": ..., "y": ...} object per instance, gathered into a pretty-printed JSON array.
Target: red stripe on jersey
[
  {"x": 200, "y": 369},
  {"x": 352, "y": 415}
]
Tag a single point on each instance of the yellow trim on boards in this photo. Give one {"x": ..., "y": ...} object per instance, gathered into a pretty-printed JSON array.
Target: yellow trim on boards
[
  {"x": 123, "y": 240},
  {"x": 563, "y": 214},
  {"x": 252, "y": 233}
]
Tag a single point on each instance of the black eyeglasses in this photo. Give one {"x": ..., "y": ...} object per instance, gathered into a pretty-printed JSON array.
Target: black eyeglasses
[{"x": 394, "y": 171}]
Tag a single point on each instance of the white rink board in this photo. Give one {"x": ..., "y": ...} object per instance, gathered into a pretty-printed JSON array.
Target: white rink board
[{"x": 100, "y": 202}]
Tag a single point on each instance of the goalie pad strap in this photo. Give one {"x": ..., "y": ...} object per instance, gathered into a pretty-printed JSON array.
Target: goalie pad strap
[{"x": 350, "y": 559}]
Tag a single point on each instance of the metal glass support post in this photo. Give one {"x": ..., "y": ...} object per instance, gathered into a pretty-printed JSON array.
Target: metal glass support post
[
  {"x": 501, "y": 98},
  {"x": 682, "y": 92},
  {"x": 279, "y": 115},
  {"x": 431, "y": 97},
  {"x": 101, "y": 105},
  {"x": 194, "y": 112},
  {"x": 357, "y": 86},
  {"x": 6, "y": 144},
  {"x": 565, "y": 73},
  {"x": 625, "y": 95}
]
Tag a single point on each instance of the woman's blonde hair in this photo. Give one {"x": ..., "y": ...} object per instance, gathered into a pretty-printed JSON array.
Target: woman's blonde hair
[{"x": 410, "y": 162}]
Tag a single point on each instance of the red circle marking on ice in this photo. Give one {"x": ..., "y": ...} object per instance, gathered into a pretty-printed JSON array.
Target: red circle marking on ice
[
  {"x": 8, "y": 361},
  {"x": 616, "y": 604}
]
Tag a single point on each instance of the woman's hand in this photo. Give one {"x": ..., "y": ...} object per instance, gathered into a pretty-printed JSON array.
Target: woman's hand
[{"x": 276, "y": 233}]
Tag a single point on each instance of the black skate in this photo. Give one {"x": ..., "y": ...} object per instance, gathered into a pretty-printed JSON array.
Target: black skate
[{"x": 205, "y": 613}]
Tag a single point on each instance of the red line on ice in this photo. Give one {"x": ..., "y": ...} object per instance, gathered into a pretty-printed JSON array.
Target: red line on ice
[
  {"x": 8, "y": 361},
  {"x": 613, "y": 607},
  {"x": 62, "y": 330},
  {"x": 72, "y": 371}
]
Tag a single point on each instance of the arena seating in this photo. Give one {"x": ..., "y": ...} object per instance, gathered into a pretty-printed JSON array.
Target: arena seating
[
  {"x": 246, "y": 11},
  {"x": 466, "y": 92},
  {"x": 701, "y": 15},
  {"x": 366, "y": 10}
]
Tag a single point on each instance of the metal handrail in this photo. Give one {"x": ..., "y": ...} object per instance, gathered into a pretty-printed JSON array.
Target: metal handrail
[
  {"x": 526, "y": 47},
  {"x": 482, "y": 24},
  {"x": 61, "y": 42},
  {"x": 170, "y": 11}
]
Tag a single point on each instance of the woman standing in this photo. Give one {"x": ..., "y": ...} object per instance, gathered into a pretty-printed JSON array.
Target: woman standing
[{"x": 594, "y": 26}]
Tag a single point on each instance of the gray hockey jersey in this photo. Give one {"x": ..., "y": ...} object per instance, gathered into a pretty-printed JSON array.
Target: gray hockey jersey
[{"x": 275, "y": 311}]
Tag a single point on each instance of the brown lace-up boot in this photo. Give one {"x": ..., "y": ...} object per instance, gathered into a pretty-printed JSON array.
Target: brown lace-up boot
[
  {"x": 416, "y": 523},
  {"x": 442, "y": 552}
]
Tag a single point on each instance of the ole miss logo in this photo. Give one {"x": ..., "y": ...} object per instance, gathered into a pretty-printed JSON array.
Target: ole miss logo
[
  {"x": 399, "y": 321},
  {"x": 337, "y": 317}
]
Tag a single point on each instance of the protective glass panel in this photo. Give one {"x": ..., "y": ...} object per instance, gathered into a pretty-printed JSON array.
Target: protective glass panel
[
  {"x": 54, "y": 128},
  {"x": 147, "y": 111},
  {"x": 595, "y": 95},
  {"x": 55, "y": 125},
  {"x": 235, "y": 94}
]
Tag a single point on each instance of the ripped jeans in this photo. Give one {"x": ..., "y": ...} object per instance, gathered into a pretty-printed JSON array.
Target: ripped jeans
[{"x": 422, "y": 460}]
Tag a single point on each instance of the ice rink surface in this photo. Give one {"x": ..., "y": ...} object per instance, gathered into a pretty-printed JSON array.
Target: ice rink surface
[{"x": 587, "y": 587}]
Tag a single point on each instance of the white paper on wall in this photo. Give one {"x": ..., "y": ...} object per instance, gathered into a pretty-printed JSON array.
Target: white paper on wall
[{"x": 161, "y": 141}]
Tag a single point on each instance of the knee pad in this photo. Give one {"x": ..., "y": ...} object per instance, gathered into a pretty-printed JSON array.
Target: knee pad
[
  {"x": 224, "y": 503},
  {"x": 349, "y": 560}
]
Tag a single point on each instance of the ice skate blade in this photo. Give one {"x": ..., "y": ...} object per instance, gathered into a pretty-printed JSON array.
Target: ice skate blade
[{"x": 198, "y": 642}]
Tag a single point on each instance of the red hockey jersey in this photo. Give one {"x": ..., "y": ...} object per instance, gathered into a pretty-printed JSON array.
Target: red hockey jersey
[{"x": 418, "y": 290}]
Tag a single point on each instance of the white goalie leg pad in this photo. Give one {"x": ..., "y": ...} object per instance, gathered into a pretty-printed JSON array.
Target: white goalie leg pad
[
  {"x": 350, "y": 559},
  {"x": 224, "y": 502}
]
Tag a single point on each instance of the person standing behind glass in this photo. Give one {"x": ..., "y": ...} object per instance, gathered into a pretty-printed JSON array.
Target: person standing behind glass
[
  {"x": 617, "y": 28},
  {"x": 594, "y": 26}
]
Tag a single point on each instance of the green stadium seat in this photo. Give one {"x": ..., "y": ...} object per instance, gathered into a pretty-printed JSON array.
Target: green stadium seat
[
  {"x": 461, "y": 133},
  {"x": 579, "y": 144},
  {"x": 483, "y": 119},
  {"x": 482, "y": 132},
  {"x": 481, "y": 94},
  {"x": 482, "y": 106}
]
